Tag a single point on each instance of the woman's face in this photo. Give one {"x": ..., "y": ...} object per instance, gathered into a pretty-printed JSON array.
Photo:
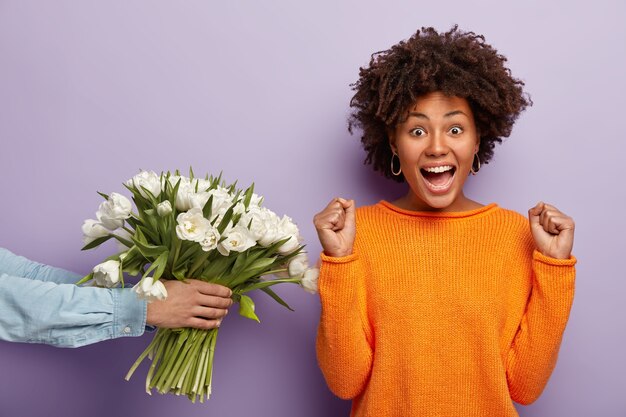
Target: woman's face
[{"x": 436, "y": 146}]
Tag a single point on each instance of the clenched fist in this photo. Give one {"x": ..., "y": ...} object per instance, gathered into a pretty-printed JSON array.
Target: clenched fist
[
  {"x": 336, "y": 227},
  {"x": 552, "y": 230}
]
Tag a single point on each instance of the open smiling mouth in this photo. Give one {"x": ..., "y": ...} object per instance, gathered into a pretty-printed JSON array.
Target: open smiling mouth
[{"x": 438, "y": 179}]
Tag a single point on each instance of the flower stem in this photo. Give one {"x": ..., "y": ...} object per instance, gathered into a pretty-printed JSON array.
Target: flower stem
[
  {"x": 155, "y": 360},
  {"x": 143, "y": 355}
]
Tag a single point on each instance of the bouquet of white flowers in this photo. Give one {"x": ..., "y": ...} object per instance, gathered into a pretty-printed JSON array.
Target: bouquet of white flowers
[{"x": 200, "y": 228}]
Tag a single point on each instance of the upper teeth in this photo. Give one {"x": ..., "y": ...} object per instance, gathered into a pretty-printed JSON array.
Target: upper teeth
[{"x": 438, "y": 170}]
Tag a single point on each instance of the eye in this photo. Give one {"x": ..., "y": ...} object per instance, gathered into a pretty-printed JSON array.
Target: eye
[
  {"x": 456, "y": 130},
  {"x": 418, "y": 131}
]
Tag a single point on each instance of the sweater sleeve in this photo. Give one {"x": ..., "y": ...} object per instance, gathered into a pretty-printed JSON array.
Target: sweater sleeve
[
  {"x": 534, "y": 351},
  {"x": 344, "y": 339}
]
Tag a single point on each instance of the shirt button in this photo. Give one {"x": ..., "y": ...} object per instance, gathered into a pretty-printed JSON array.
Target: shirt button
[{"x": 126, "y": 330}]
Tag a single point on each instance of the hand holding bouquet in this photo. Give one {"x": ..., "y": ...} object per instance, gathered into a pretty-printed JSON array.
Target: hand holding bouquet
[{"x": 197, "y": 228}]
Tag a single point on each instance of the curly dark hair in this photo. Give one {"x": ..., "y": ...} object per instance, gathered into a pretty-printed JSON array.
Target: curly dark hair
[{"x": 456, "y": 63}]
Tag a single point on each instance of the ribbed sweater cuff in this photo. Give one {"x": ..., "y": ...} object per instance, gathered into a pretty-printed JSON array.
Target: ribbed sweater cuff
[
  {"x": 338, "y": 260},
  {"x": 337, "y": 276},
  {"x": 555, "y": 279},
  {"x": 538, "y": 256}
]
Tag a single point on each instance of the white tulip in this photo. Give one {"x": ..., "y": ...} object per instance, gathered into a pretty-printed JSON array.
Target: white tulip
[
  {"x": 210, "y": 239},
  {"x": 288, "y": 227},
  {"x": 298, "y": 265},
  {"x": 201, "y": 183},
  {"x": 174, "y": 179},
  {"x": 148, "y": 180},
  {"x": 272, "y": 235},
  {"x": 192, "y": 225},
  {"x": 290, "y": 245},
  {"x": 164, "y": 208},
  {"x": 107, "y": 274},
  {"x": 198, "y": 200},
  {"x": 265, "y": 224},
  {"x": 254, "y": 220},
  {"x": 148, "y": 290},
  {"x": 92, "y": 230},
  {"x": 183, "y": 195},
  {"x": 222, "y": 200},
  {"x": 309, "y": 280},
  {"x": 114, "y": 211},
  {"x": 238, "y": 239}
]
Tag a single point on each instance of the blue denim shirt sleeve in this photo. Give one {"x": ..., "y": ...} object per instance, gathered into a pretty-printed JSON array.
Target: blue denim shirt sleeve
[{"x": 41, "y": 304}]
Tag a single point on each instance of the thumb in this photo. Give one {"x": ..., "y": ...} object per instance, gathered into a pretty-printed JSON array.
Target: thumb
[
  {"x": 534, "y": 212},
  {"x": 350, "y": 208}
]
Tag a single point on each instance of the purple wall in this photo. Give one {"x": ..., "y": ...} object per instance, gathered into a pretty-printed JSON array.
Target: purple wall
[{"x": 92, "y": 91}]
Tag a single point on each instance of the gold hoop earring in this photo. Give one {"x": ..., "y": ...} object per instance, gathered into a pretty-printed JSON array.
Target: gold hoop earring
[
  {"x": 399, "y": 171},
  {"x": 476, "y": 158}
]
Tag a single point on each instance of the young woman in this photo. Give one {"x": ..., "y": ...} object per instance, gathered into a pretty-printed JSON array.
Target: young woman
[{"x": 434, "y": 304}]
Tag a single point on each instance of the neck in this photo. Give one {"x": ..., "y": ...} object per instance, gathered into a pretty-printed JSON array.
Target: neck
[{"x": 411, "y": 202}]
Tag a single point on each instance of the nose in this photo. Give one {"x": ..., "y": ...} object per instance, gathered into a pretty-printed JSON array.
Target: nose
[{"x": 437, "y": 145}]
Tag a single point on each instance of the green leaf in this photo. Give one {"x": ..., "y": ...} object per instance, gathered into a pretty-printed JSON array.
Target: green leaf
[
  {"x": 216, "y": 268},
  {"x": 240, "y": 263},
  {"x": 149, "y": 234},
  {"x": 246, "y": 308},
  {"x": 134, "y": 267},
  {"x": 227, "y": 216},
  {"x": 149, "y": 251},
  {"x": 188, "y": 253},
  {"x": 198, "y": 263},
  {"x": 258, "y": 267},
  {"x": 123, "y": 241},
  {"x": 208, "y": 208},
  {"x": 248, "y": 196},
  {"x": 180, "y": 273},
  {"x": 266, "y": 284},
  {"x": 139, "y": 236},
  {"x": 96, "y": 242},
  {"x": 105, "y": 196},
  {"x": 268, "y": 291},
  {"x": 159, "y": 264}
]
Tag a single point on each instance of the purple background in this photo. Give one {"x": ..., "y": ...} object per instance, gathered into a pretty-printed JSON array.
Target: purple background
[{"x": 90, "y": 92}]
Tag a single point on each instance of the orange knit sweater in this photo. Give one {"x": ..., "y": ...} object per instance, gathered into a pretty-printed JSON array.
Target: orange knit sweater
[{"x": 441, "y": 314}]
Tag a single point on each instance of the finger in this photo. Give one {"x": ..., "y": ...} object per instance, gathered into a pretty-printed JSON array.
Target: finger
[
  {"x": 199, "y": 323},
  {"x": 560, "y": 224},
  {"x": 350, "y": 208},
  {"x": 208, "y": 288},
  {"x": 545, "y": 218},
  {"x": 214, "y": 301},
  {"x": 334, "y": 203},
  {"x": 534, "y": 212},
  {"x": 339, "y": 219},
  {"x": 209, "y": 312},
  {"x": 330, "y": 219}
]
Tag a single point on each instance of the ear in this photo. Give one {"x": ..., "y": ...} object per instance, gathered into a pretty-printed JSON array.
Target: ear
[
  {"x": 477, "y": 146},
  {"x": 392, "y": 140}
]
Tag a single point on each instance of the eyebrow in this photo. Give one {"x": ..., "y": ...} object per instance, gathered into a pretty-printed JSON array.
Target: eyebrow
[{"x": 450, "y": 114}]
